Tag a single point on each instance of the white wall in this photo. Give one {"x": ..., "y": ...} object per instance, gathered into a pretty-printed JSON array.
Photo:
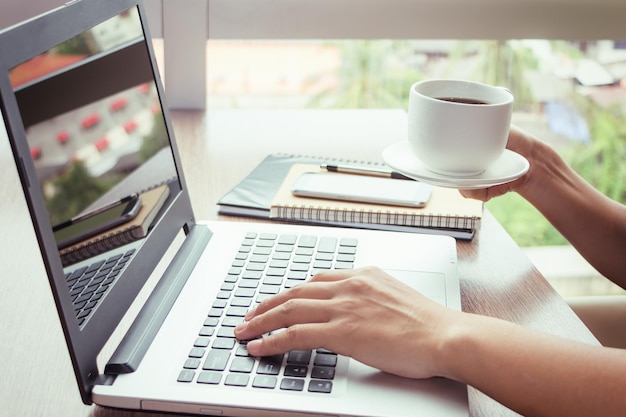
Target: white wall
[{"x": 436, "y": 19}]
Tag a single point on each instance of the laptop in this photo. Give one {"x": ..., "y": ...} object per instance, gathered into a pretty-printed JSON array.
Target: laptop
[{"x": 85, "y": 114}]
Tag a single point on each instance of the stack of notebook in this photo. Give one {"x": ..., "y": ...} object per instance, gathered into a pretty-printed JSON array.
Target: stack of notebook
[{"x": 266, "y": 193}]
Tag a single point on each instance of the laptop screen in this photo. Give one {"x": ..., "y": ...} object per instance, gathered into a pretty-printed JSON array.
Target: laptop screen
[
  {"x": 93, "y": 138},
  {"x": 94, "y": 148}
]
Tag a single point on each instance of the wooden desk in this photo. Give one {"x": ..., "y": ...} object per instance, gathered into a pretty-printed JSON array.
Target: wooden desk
[{"x": 218, "y": 149}]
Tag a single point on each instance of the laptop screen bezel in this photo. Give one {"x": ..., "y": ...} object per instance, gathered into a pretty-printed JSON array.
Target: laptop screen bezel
[{"x": 17, "y": 45}]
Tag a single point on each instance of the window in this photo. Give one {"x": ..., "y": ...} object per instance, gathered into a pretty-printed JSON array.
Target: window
[{"x": 565, "y": 61}]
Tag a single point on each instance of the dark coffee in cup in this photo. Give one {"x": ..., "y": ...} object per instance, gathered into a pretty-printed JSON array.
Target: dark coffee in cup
[{"x": 462, "y": 100}]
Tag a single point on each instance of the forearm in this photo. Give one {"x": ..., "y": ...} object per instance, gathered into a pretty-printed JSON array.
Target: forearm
[
  {"x": 534, "y": 373},
  {"x": 591, "y": 222}
]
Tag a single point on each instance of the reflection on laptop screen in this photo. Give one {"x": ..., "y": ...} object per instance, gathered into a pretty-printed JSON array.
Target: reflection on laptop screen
[
  {"x": 101, "y": 152},
  {"x": 96, "y": 132}
]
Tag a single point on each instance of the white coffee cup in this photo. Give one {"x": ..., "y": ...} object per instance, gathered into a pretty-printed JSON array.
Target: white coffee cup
[{"x": 458, "y": 127}]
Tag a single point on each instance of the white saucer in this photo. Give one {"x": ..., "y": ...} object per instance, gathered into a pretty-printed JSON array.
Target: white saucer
[{"x": 510, "y": 166}]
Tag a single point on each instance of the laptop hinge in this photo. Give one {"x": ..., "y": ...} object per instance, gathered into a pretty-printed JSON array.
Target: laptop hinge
[
  {"x": 103, "y": 379},
  {"x": 135, "y": 343}
]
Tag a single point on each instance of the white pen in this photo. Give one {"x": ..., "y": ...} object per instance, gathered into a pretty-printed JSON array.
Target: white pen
[{"x": 364, "y": 170}]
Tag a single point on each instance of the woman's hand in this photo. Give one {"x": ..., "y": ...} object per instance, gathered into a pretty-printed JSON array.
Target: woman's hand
[
  {"x": 364, "y": 313},
  {"x": 525, "y": 145}
]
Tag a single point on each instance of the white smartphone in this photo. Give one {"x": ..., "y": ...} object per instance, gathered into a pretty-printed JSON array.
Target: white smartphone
[{"x": 362, "y": 188}]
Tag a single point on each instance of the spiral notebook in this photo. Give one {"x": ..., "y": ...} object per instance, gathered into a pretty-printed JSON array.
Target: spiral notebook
[
  {"x": 447, "y": 211},
  {"x": 267, "y": 187}
]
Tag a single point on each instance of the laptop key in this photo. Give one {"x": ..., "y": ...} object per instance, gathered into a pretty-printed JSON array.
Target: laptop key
[
  {"x": 345, "y": 258},
  {"x": 237, "y": 380},
  {"x": 202, "y": 342},
  {"x": 277, "y": 271},
  {"x": 297, "y": 275},
  {"x": 324, "y": 256},
  {"x": 216, "y": 360},
  {"x": 231, "y": 321},
  {"x": 320, "y": 386},
  {"x": 236, "y": 311},
  {"x": 322, "y": 264},
  {"x": 245, "y": 292},
  {"x": 344, "y": 265},
  {"x": 322, "y": 359},
  {"x": 292, "y": 384},
  {"x": 327, "y": 245},
  {"x": 262, "y": 297},
  {"x": 265, "y": 381},
  {"x": 305, "y": 251},
  {"x": 226, "y": 332},
  {"x": 223, "y": 343},
  {"x": 242, "y": 364},
  {"x": 288, "y": 239},
  {"x": 269, "y": 289},
  {"x": 216, "y": 312},
  {"x": 223, "y": 295},
  {"x": 265, "y": 244},
  {"x": 241, "y": 302},
  {"x": 299, "y": 267},
  {"x": 270, "y": 365},
  {"x": 347, "y": 250},
  {"x": 212, "y": 378},
  {"x": 307, "y": 241},
  {"x": 211, "y": 321},
  {"x": 206, "y": 331},
  {"x": 299, "y": 357},
  {"x": 192, "y": 363},
  {"x": 186, "y": 375},
  {"x": 197, "y": 353},
  {"x": 281, "y": 256},
  {"x": 284, "y": 248},
  {"x": 242, "y": 350},
  {"x": 248, "y": 283},
  {"x": 262, "y": 251},
  {"x": 259, "y": 259},
  {"x": 296, "y": 370},
  {"x": 252, "y": 275},
  {"x": 273, "y": 280},
  {"x": 323, "y": 372}
]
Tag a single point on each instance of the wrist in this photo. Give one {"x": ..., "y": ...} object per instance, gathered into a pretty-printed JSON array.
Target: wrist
[
  {"x": 467, "y": 347},
  {"x": 546, "y": 167},
  {"x": 454, "y": 340}
]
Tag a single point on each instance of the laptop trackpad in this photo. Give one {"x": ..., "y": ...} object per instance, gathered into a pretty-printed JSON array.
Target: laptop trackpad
[{"x": 430, "y": 284}]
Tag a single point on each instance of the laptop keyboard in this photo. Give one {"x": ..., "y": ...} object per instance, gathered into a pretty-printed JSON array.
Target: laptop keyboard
[
  {"x": 88, "y": 284},
  {"x": 265, "y": 265}
]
